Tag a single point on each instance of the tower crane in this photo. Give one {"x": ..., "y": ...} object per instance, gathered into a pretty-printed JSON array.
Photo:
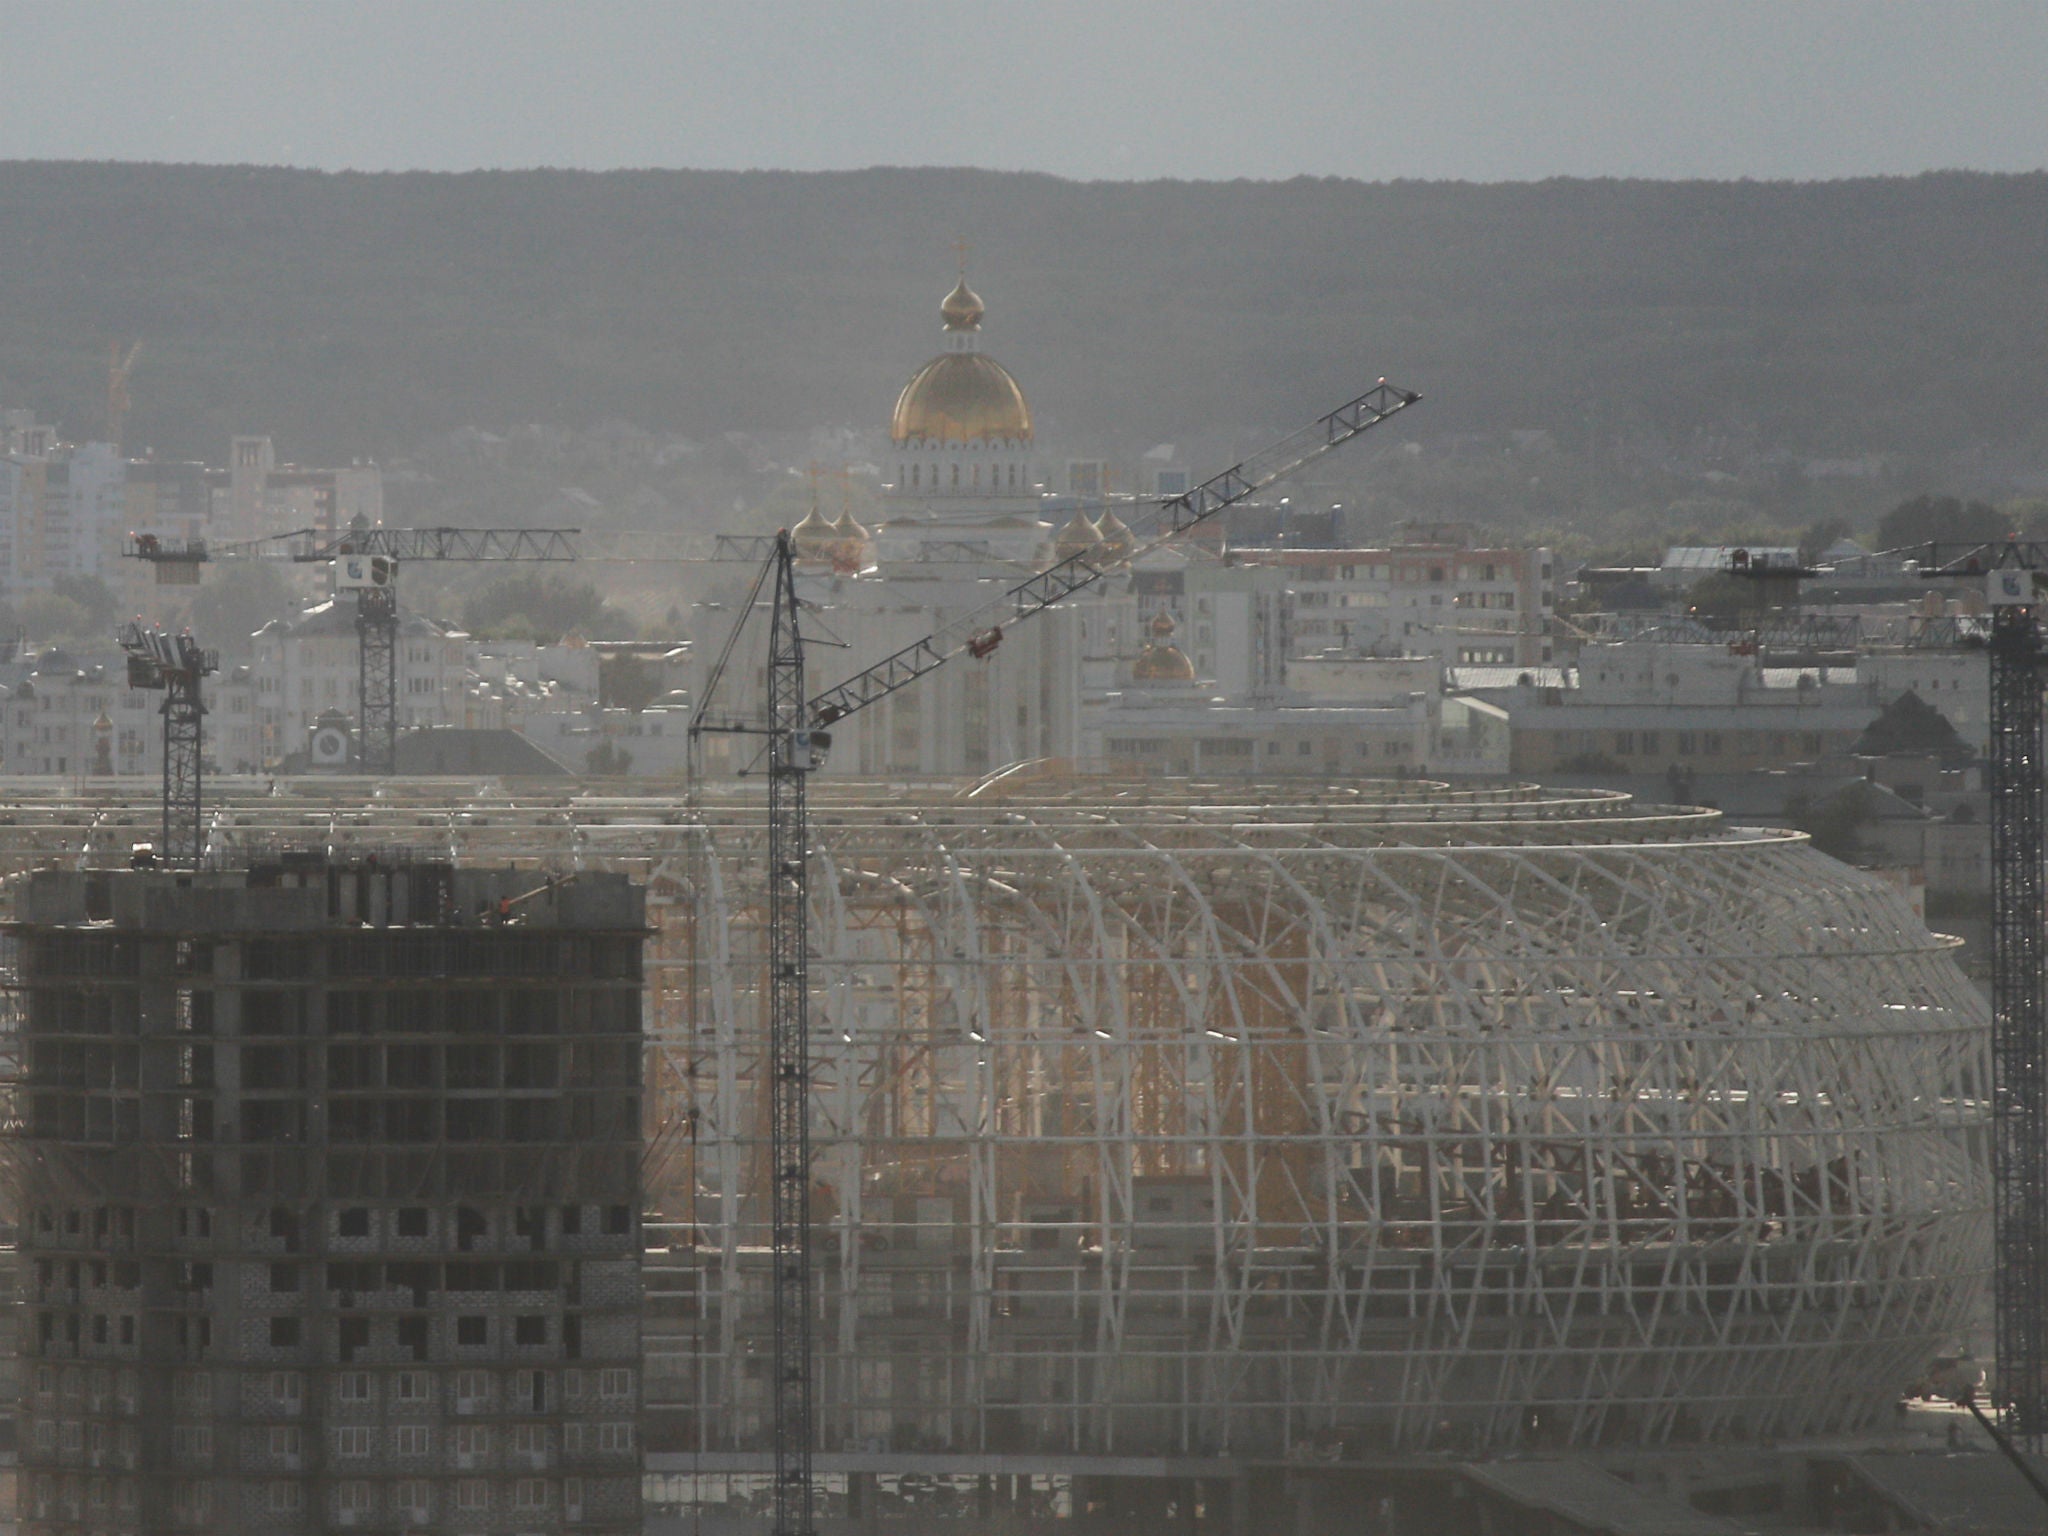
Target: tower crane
[
  {"x": 2014, "y": 575},
  {"x": 796, "y": 727},
  {"x": 177, "y": 665},
  {"x": 366, "y": 561}
]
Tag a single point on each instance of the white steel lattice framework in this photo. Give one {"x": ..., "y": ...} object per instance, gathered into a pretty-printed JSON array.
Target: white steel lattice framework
[{"x": 1180, "y": 1119}]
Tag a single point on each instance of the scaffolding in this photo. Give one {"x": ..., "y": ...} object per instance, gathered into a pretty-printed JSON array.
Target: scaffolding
[{"x": 1159, "y": 1118}]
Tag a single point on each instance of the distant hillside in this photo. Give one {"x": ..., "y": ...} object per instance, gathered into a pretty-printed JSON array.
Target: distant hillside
[{"x": 355, "y": 314}]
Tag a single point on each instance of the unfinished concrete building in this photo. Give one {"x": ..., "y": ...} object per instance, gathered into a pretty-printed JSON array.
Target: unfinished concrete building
[{"x": 329, "y": 1182}]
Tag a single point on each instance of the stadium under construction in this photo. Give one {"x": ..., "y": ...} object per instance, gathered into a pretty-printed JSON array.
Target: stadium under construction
[{"x": 1178, "y": 1146}]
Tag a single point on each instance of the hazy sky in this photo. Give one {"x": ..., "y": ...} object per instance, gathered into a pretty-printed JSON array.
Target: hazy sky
[{"x": 1093, "y": 89}]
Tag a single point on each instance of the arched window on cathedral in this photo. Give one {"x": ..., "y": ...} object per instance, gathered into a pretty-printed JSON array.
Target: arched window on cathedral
[
  {"x": 977, "y": 477},
  {"x": 916, "y": 473},
  {"x": 956, "y": 477}
]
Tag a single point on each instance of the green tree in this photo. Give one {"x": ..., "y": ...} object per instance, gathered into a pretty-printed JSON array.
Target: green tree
[
  {"x": 101, "y": 607},
  {"x": 47, "y": 616},
  {"x": 1910, "y": 724},
  {"x": 530, "y": 606},
  {"x": 1815, "y": 538},
  {"x": 1946, "y": 519}
]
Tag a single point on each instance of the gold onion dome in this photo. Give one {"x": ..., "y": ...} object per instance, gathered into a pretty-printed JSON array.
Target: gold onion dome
[
  {"x": 962, "y": 308},
  {"x": 1077, "y": 538},
  {"x": 814, "y": 537},
  {"x": 1118, "y": 542},
  {"x": 961, "y": 396},
  {"x": 850, "y": 541},
  {"x": 1162, "y": 661}
]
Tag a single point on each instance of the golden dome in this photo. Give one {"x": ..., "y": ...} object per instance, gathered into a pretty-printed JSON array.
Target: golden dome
[
  {"x": 849, "y": 543},
  {"x": 813, "y": 538},
  {"x": 959, "y": 398},
  {"x": 1162, "y": 661},
  {"x": 1118, "y": 543},
  {"x": 1077, "y": 538},
  {"x": 963, "y": 308}
]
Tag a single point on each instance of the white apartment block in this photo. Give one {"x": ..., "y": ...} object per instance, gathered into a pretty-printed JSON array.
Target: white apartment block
[
  {"x": 80, "y": 719},
  {"x": 311, "y": 665},
  {"x": 1468, "y": 606},
  {"x": 66, "y": 510},
  {"x": 1246, "y": 617}
]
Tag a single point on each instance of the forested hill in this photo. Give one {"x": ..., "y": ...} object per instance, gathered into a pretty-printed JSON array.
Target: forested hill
[{"x": 354, "y": 314}]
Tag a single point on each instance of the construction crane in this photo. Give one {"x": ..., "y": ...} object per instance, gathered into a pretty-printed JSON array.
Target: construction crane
[
  {"x": 366, "y": 561},
  {"x": 120, "y": 368},
  {"x": 176, "y": 665},
  {"x": 796, "y": 728},
  {"x": 2014, "y": 577}
]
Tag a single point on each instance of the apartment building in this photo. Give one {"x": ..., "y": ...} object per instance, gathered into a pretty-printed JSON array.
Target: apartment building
[
  {"x": 1647, "y": 707},
  {"x": 1466, "y": 604},
  {"x": 330, "y": 1218},
  {"x": 311, "y": 665},
  {"x": 78, "y": 717}
]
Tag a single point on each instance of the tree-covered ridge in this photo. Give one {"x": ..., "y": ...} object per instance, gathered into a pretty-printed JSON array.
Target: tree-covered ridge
[{"x": 354, "y": 314}]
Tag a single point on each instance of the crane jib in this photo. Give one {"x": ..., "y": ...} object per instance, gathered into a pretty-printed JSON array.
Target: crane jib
[{"x": 979, "y": 633}]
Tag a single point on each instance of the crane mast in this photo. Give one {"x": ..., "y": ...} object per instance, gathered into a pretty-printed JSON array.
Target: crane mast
[
  {"x": 790, "y": 762},
  {"x": 178, "y": 666},
  {"x": 796, "y": 744},
  {"x": 2012, "y": 572}
]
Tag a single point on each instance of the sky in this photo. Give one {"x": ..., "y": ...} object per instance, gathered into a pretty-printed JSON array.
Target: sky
[{"x": 1504, "y": 90}]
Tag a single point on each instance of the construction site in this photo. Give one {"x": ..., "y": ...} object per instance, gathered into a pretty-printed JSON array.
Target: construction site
[
  {"x": 1175, "y": 1147},
  {"x": 1052, "y": 1149}
]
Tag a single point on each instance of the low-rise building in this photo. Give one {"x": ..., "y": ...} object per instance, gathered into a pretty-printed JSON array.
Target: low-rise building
[
  {"x": 310, "y": 665},
  {"x": 1646, "y": 706},
  {"x": 77, "y": 717}
]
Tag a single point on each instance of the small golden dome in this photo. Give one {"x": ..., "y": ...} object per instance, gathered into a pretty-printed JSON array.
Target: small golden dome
[
  {"x": 1162, "y": 661},
  {"x": 1077, "y": 538},
  {"x": 1118, "y": 542},
  {"x": 963, "y": 308},
  {"x": 849, "y": 543},
  {"x": 813, "y": 538}
]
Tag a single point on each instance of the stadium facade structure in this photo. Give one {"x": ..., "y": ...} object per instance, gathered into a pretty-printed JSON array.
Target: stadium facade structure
[
  {"x": 329, "y": 1182},
  {"x": 1237, "y": 1121}
]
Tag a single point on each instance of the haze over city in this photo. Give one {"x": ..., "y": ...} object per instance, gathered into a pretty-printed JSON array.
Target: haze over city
[{"x": 1119, "y": 769}]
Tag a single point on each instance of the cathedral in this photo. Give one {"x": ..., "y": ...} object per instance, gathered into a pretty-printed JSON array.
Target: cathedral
[
  {"x": 960, "y": 470},
  {"x": 961, "y": 522}
]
